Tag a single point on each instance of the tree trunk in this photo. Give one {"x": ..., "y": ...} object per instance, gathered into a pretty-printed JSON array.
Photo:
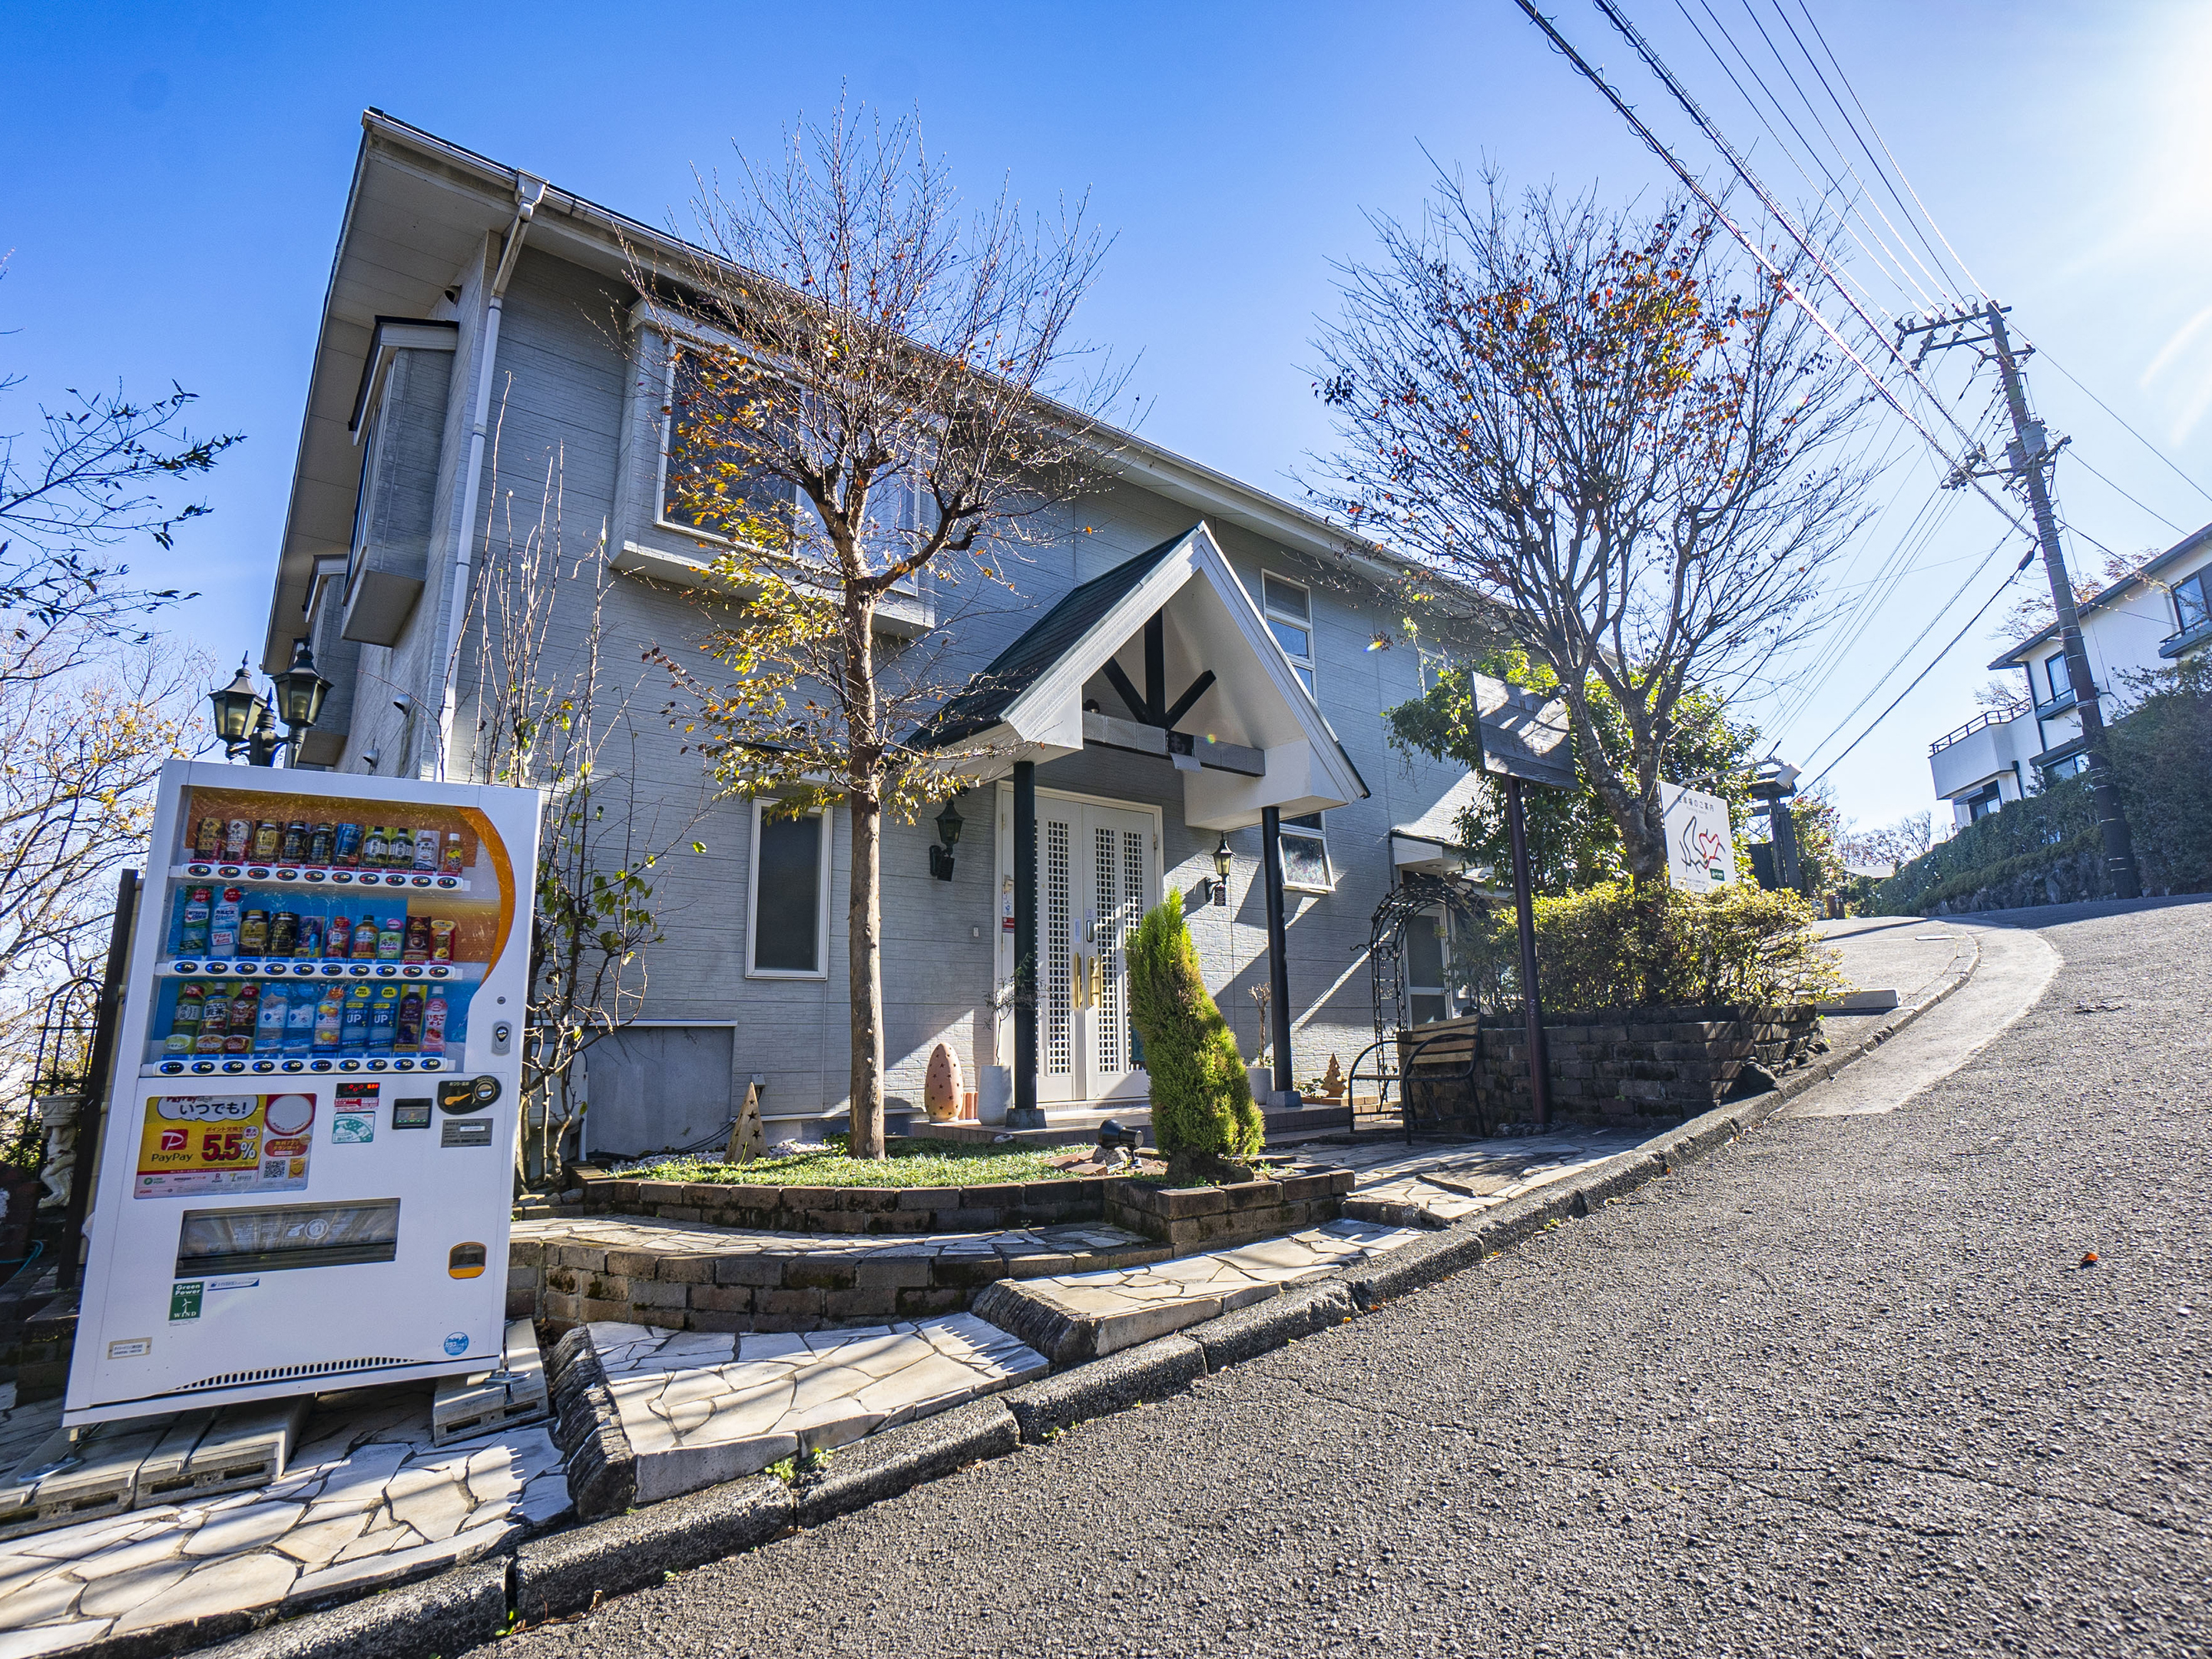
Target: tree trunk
[{"x": 865, "y": 974}]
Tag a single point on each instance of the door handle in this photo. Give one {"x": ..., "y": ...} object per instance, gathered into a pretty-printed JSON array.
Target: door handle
[
  {"x": 1097, "y": 979},
  {"x": 1081, "y": 986}
]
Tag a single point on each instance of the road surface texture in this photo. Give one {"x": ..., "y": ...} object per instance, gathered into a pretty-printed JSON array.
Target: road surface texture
[{"x": 1844, "y": 1387}]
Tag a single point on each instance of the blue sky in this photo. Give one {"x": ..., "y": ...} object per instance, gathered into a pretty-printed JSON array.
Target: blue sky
[{"x": 172, "y": 177}]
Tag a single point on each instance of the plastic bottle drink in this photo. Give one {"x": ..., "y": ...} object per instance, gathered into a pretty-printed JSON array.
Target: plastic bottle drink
[
  {"x": 454, "y": 855},
  {"x": 409, "y": 1039},
  {"x": 215, "y": 1021},
  {"x": 318, "y": 844},
  {"x": 184, "y": 1024},
  {"x": 330, "y": 1020},
  {"x": 337, "y": 940},
  {"x": 425, "y": 849},
  {"x": 299, "y": 1022},
  {"x": 353, "y": 1036},
  {"x": 384, "y": 1019},
  {"x": 245, "y": 1013},
  {"x": 222, "y": 932},
  {"x": 364, "y": 940},
  {"x": 433, "y": 1024},
  {"x": 199, "y": 909},
  {"x": 400, "y": 848},
  {"x": 345, "y": 846},
  {"x": 372, "y": 848},
  {"x": 309, "y": 943},
  {"x": 272, "y": 1020},
  {"x": 390, "y": 938}
]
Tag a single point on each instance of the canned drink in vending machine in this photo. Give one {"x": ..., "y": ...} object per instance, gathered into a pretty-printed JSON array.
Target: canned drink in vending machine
[
  {"x": 345, "y": 846},
  {"x": 237, "y": 838}
]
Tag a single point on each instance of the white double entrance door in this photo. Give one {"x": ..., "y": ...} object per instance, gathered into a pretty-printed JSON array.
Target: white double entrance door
[{"x": 1098, "y": 872}]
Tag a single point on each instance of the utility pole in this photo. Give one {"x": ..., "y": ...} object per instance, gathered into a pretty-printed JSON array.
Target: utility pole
[{"x": 2031, "y": 456}]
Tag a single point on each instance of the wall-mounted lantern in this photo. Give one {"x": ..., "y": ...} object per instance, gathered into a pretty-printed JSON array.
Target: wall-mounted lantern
[
  {"x": 1223, "y": 861},
  {"x": 948, "y": 835}
]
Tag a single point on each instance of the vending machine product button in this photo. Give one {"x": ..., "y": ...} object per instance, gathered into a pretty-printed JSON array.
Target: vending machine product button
[
  {"x": 342, "y": 877},
  {"x": 333, "y": 968},
  {"x": 433, "y": 1065},
  {"x": 349, "y": 1066},
  {"x": 296, "y": 1065},
  {"x": 412, "y": 970},
  {"x": 287, "y": 875},
  {"x": 215, "y": 967},
  {"x": 247, "y": 967},
  {"x": 319, "y": 1066},
  {"x": 316, "y": 875},
  {"x": 199, "y": 869},
  {"x": 303, "y": 968},
  {"x": 185, "y": 967},
  {"x": 233, "y": 1065},
  {"x": 439, "y": 973},
  {"x": 358, "y": 970},
  {"x": 256, "y": 872},
  {"x": 378, "y": 1065},
  {"x": 170, "y": 1068},
  {"x": 227, "y": 870},
  {"x": 386, "y": 969},
  {"x": 265, "y": 1065},
  {"x": 403, "y": 1065},
  {"x": 203, "y": 1067},
  {"x": 449, "y": 881},
  {"x": 421, "y": 881}
]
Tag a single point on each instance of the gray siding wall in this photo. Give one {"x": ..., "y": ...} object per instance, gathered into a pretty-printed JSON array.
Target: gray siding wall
[{"x": 571, "y": 381}]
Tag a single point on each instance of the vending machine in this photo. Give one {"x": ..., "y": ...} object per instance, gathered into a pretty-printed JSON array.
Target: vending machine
[{"x": 306, "y": 1167}]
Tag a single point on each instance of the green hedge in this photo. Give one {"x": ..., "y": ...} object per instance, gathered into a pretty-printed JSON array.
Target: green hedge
[
  {"x": 1616, "y": 946},
  {"x": 2161, "y": 752}
]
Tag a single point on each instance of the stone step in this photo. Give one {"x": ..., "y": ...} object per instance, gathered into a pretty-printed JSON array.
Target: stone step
[
  {"x": 674, "y": 1275},
  {"x": 1071, "y": 1318},
  {"x": 1079, "y": 1127},
  {"x": 696, "y": 1407},
  {"x": 1433, "y": 1185}
]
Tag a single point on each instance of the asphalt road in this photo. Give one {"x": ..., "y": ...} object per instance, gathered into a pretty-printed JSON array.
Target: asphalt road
[{"x": 1844, "y": 1387}]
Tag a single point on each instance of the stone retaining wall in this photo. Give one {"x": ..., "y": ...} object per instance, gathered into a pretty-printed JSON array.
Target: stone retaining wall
[
  {"x": 851, "y": 1209},
  {"x": 1210, "y": 1218},
  {"x": 1621, "y": 1066}
]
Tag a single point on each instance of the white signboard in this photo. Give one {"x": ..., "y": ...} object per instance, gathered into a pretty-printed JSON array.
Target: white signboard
[{"x": 1700, "y": 842}]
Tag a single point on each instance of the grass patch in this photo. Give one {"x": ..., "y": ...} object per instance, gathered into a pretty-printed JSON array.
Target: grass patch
[{"x": 938, "y": 1164}]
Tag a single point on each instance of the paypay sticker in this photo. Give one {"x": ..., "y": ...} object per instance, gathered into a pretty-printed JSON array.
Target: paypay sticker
[{"x": 209, "y": 1146}]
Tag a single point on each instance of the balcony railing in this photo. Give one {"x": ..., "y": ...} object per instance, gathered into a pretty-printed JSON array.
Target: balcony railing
[
  {"x": 1980, "y": 722},
  {"x": 2187, "y": 640}
]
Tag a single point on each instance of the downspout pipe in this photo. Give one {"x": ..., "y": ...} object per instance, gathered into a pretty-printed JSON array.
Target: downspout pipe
[{"x": 525, "y": 207}]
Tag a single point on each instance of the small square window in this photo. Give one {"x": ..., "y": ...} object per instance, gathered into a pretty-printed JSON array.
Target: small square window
[
  {"x": 689, "y": 452},
  {"x": 1305, "y": 853},
  {"x": 1289, "y": 609},
  {"x": 787, "y": 936},
  {"x": 2055, "y": 672}
]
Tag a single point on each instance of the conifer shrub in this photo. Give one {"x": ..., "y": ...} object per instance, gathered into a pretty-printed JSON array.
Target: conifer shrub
[{"x": 1203, "y": 1115}]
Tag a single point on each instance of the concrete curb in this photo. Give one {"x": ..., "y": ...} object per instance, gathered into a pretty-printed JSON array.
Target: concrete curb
[
  {"x": 570, "y": 1571},
  {"x": 450, "y": 1613}
]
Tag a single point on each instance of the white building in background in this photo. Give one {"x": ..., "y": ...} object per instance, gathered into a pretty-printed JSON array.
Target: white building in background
[{"x": 2159, "y": 613}]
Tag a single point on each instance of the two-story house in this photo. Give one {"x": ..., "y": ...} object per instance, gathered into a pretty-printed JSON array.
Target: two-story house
[
  {"x": 2160, "y": 613},
  {"x": 1189, "y": 665}
]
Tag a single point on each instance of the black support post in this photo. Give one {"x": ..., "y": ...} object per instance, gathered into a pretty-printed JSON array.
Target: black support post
[
  {"x": 1026, "y": 1114},
  {"x": 1532, "y": 1005},
  {"x": 1279, "y": 967}
]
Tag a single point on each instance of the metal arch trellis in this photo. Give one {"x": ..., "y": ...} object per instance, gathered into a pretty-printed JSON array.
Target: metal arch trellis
[
  {"x": 1466, "y": 912},
  {"x": 63, "y": 1054}
]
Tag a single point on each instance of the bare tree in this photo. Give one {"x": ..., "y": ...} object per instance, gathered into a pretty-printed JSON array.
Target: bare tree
[
  {"x": 1893, "y": 844},
  {"x": 1637, "y": 470},
  {"x": 877, "y": 396},
  {"x": 548, "y": 718}
]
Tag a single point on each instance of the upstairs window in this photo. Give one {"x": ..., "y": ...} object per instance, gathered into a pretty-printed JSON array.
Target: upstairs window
[
  {"x": 2055, "y": 672},
  {"x": 1289, "y": 609},
  {"x": 1305, "y": 854},
  {"x": 2192, "y": 598},
  {"x": 696, "y": 442}
]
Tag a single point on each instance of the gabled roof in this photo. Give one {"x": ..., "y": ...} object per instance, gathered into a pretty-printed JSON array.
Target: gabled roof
[
  {"x": 2146, "y": 575},
  {"x": 984, "y": 702},
  {"x": 1258, "y": 739}
]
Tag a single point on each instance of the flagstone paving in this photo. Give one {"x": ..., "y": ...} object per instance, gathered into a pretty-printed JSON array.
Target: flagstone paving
[
  {"x": 366, "y": 1500},
  {"x": 1090, "y": 1316},
  {"x": 1440, "y": 1182},
  {"x": 702, "y": 1407}
]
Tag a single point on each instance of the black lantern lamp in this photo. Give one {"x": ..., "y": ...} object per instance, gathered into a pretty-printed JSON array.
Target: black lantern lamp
[
  {"x": 247, "y": 721},
  {"x": 1223, "y": 861},
  {"x": 949, "y": 822}
]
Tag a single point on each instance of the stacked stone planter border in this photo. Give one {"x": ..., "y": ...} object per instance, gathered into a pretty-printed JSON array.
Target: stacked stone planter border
[
  {"x": 851, "y": 1209},
  {"x": 1188, "y": 1219},
  {"x": 1614, "y": 1067}
]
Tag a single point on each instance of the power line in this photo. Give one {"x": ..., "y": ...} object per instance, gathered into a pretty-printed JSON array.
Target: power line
[
  {"x": 2024, "y": 563},
  {"x": 1878, "y": 138},
  {"x": 2043, "y": 352},
  {"x": 2109, "y": 484}
]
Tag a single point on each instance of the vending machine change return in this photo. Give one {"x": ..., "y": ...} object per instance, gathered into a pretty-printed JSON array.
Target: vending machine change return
[{"x": 306, "y": 1172}]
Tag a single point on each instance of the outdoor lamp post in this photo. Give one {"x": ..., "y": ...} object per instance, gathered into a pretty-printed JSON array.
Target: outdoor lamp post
[
  {"x": 247, "y": 721},
  {"x": 1223, "y": 861},
  {"x": 949, "y": 822}
]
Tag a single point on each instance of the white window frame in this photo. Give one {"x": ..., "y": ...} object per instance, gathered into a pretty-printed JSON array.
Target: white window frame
[
  {"x": 761, "y": 803},
  {"x": 1317, "y": 831},
  {"x": 1304, "y": 624},
  {"x": 2200, "y": 579}
]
